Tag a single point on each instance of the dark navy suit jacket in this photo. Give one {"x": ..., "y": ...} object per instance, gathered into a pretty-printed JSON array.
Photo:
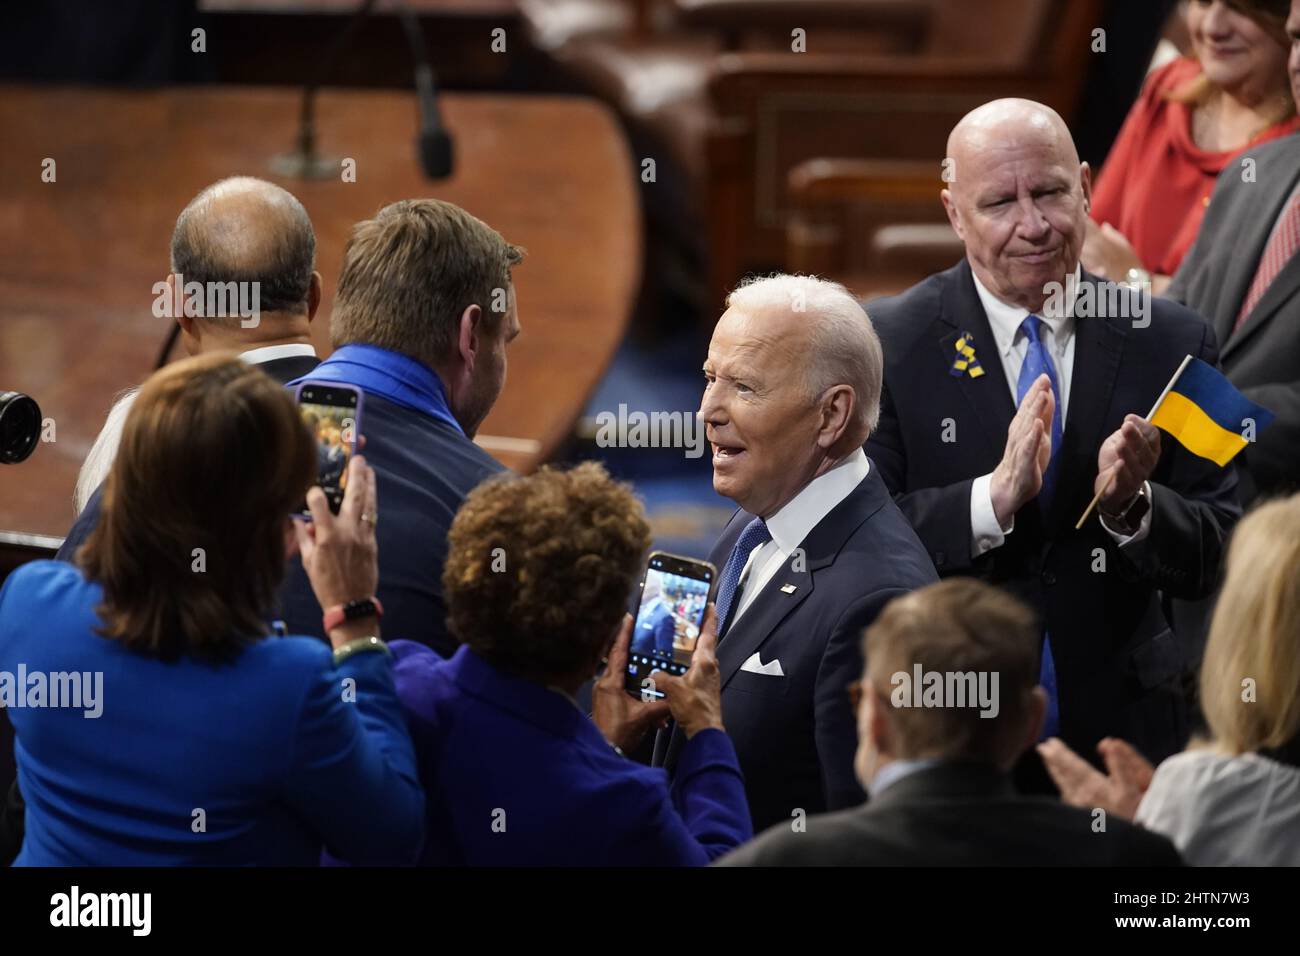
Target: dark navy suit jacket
[
  {"x": 1118, "y": 663},
  {"x": 656, "y": 632},
  {"x": 796, "y": 735},
  {"x": 518, "y": 775},
  {"x": 958, "y": 814},
  {"x": 424, "y": 468}
]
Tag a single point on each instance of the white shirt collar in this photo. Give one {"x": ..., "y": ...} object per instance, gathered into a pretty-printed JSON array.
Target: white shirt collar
[
  {"x": 269, "y": 353},
  {"x": 1005, "y": 319},
  {"x": 790, "y": 525}
]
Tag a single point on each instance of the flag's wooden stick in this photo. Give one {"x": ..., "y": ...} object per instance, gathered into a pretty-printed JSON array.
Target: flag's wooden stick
[{"x": 1106, "y": 486}]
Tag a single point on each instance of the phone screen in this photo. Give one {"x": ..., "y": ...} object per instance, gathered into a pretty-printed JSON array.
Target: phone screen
[
  {"x": 674, "y": 595},
  {"x": 332, "y": 415}
]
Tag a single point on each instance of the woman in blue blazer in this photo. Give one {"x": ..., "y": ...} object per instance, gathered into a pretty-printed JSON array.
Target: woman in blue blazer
[
  {"x": 156, "y": 722},
  {"x": 537, "y": 578}
]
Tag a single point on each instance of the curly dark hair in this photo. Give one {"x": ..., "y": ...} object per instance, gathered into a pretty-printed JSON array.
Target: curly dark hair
[{"x": 540, "y": 568}]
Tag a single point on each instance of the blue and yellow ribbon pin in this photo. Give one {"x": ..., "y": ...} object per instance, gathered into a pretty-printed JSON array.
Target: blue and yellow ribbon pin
[{"x": 966, "y": 360}]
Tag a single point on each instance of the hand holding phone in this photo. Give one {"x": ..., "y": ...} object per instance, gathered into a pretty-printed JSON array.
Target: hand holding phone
[
  {"x": 341, "y": 555},
  {"x": 674, "y": 597},
  {"x": 621, "y": 719},
  {"x": 695, "y": 698},
  {"x": 332, "y": 413}
]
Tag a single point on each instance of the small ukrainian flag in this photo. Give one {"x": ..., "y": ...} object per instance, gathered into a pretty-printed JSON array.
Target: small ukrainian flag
[{"x": 1207, "y": 415}]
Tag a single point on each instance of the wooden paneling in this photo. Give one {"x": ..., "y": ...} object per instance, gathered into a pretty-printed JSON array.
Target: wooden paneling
[{"x": 79, "y": 256}]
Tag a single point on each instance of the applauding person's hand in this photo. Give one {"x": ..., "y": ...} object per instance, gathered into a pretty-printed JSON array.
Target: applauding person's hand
[{"x": 1119, "y": 791}]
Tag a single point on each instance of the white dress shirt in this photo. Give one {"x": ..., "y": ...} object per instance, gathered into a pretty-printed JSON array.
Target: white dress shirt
[
  {"x": 1224, "y": 810},
  {"x": 269, "y": 353},
  {"x": 100, "y": 458},
  {"x": 1057, "y": 334},
  {"x": 793, "y": 523}
]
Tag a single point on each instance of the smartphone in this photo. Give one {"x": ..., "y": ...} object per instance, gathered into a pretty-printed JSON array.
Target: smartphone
[
  {"x": 674, "y": 594},
  {"x": 332, "y": 413}
]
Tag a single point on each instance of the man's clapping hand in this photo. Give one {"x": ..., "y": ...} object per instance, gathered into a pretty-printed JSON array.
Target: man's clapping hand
[{"x": 1019, "y": 476}]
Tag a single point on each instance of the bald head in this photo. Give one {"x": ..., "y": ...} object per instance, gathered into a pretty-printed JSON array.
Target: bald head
[
  {"x": 1009, "y": 124},
  {"x": 248, "y": 230},
  {"x": 1018, "y": 197}
]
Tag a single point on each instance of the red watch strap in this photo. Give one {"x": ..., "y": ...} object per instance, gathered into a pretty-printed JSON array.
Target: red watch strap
[{"x": 337, "y": 614}]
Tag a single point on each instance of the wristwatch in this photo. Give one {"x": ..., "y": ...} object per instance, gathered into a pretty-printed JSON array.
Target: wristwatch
[
  {"x": 1130, "y": 519},
  {"x": 352, "y": 611},
  {"x": 1136, "y": 279}
]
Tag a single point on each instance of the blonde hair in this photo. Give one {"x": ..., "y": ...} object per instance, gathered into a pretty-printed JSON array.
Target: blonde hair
[
  {"x": 1270, "y": 16},
  {"x": 1255, "y": 635},
  {"x": 410, "y": 272}
]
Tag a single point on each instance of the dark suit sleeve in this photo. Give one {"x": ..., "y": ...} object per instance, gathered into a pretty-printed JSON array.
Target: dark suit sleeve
[
  {"x": 1274, "y": 458},
  {"x": 1148, "y": 848},
  {"x": 81, "y": 528},
  {"x": 666, "y": 632},
  {"x": 836, "y": 727},
  {"x": 1193, "y": 509},
  {"x": 1198, "y": 264},
  {"x": 941, "y": 516}
]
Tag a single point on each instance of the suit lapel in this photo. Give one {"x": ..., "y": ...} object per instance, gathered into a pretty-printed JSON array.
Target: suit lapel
[
  {"x": 1098, "y": 348},
  {"x": 962, "y": 311},
  {"x": 761, "y": 618},
  {"x": 775, "y": 602},
  {"x": 1280, "y": 291},
  {"x": 1256, "y": 225}
]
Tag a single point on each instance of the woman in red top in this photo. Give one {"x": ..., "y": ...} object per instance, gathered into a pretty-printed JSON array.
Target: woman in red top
[{"x": 1193, "y": 118}]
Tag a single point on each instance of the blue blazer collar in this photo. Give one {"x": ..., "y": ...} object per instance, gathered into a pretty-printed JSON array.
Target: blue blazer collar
[
  {"x": 546, "y": 709},
  {"x": 391, "y": 375}
]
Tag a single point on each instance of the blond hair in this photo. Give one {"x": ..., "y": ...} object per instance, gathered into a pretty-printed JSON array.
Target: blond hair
[
  {"x": 410, "y": 273},
  {"x": 1255, "y": 636}
]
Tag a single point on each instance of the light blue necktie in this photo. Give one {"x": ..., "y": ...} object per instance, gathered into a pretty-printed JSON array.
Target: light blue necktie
[
  {"x": 1037, "y": 361},
  {"x": 754, "y": 535}
]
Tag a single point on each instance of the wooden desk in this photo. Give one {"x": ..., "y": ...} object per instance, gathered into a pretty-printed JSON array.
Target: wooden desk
[{"x": 79, "y": 257}]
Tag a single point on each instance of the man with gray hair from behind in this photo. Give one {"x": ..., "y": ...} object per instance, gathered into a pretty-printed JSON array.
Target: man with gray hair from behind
[{"x": 816, "y": 547}]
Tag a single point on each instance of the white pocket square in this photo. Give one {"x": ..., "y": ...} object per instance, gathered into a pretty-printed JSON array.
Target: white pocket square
[{"x": 755, "y": 666}]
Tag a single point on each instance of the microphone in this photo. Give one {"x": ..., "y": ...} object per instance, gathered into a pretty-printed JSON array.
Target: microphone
[
  {"x": 304, "y": 162},
  {"x": 434, "y": 146},
  {"x": 433, "y": 143}
]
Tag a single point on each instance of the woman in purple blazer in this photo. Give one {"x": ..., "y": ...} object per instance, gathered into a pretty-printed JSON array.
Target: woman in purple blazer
[{"x": 516, "y": 773}]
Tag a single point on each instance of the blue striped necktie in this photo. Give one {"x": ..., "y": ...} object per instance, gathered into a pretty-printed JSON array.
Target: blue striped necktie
[
  {"x": 1037, "y": 361},
  {"x": 754, "y": 535}
]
